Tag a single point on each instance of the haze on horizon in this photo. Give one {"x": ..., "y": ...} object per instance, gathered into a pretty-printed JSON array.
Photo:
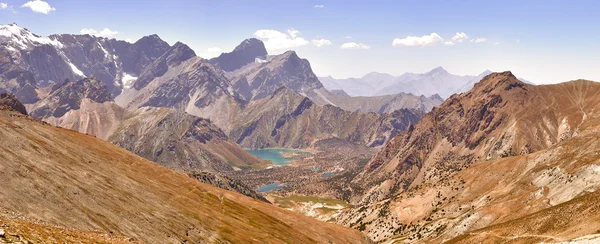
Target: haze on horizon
[{"x": 542, "y": 41}]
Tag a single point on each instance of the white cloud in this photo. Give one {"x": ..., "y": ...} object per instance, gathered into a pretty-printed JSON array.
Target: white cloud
[
  {"x": 321, "y": 42},
  {"x": 319, "y": 6},
  {"x": 39, "y": 6},
  {"x": 415, "y": 41},
  {"x": 102, "y": 33},
  {"x": 448, "y": 43},
  {"x": 478, "y": 40},
  {"x": 459, "y": 37},
  {"x": 3, "y": 5},
  {"x": 278, "y": 40},
  {"x": 354, "y": 45},
  {"x": 214, "y": 50}
]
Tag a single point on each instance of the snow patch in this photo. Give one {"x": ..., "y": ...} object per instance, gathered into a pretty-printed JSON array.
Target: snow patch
[
  {"x": 106, "y": 55},
  {"x": 127, "y": 80},
  {"x": 76, "y": 70},
  {"x": 22, "y": 37},
  {"x": 260, "y": 61}
]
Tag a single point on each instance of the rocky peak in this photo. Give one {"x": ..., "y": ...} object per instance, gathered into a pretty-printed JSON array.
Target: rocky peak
[
  {"x": 245, "y": 53},
  {"x": 252, "y": 45},
  {"x": 498, "y": 81},
  {"x": 10, "y": 101},
  {"x": 438, "y": 71},
  {"x": 179, "y": 53}
]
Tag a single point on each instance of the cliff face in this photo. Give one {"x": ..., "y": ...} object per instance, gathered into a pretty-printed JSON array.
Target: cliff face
[{"x": 10, "y": 102}]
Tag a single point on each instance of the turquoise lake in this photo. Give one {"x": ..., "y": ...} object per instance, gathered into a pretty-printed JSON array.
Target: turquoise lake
[
  {"x": 272, "y": 186},
  {"x": 274, "y": 155}
]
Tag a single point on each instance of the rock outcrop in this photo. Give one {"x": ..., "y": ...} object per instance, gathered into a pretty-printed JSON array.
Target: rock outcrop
[{"x": 10, "y": 102}]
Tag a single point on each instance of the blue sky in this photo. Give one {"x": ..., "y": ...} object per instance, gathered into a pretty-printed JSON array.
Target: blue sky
[{"x": 542, "y": 41}]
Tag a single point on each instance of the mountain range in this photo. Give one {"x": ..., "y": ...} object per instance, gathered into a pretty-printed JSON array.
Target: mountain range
[
  {"x": 437, "y": 81},
  {"x": 110, "y": 141}
]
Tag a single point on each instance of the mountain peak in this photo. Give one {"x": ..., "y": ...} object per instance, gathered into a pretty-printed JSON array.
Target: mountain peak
[
  {"x": 245, "y": 53},
  {"x": 179, "y": 52},
  {"x": 252, "y": 44},
  {"x": 437, "y": 70},
  {"x": 503, "y": 80}
]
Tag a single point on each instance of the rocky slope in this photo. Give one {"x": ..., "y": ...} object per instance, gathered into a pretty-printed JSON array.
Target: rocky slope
[
  {"x": 85, "y": 105},
  {"x": 181, "y": 141},
  {"x": 499, "y": 117},
  {"x": 181, "y": 80},
  {"x": 287, "y": 119},
  {"x": 226, "y": 183},
  {"x": 549, "y": 195},
  {"x": 499, "y": 152},
  {"x": 10, "y": 101},
  {"x": 76, "y": 181},
  {"x": 43, "y": 60}
]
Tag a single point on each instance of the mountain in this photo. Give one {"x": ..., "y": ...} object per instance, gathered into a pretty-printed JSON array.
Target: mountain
[
  {"x": 164, "y": 135},
  {"x": 181, "y": 141},
  {"x": 364, "y": 86},
  {"x": 288, "y": 119},
  {"x": 179, "y": 79},
  {"x": 499, "y": 117},
  {"x": 437, "y": 81},
  {"x": 375, "y": 104},
  {"x": 78, "y": 182},
  {"x": 249, "y": 51},
  {"x": 85, "y": 105},
  {"x": 339, "y": 93},
  {"x": 46, "y": 60},
  {"x": 260, "y": 79},
  {"x": 502, "y": 151}
]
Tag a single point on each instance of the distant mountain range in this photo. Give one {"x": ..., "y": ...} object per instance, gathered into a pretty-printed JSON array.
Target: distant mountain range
[{"x": 437, "y": 81}]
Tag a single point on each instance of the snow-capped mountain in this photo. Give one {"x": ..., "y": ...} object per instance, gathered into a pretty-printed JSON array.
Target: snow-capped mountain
[{"x": 45, "y": 60}]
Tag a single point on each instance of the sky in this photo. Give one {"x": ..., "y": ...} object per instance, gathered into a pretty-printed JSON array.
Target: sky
[{"x": 542, "y": 41}]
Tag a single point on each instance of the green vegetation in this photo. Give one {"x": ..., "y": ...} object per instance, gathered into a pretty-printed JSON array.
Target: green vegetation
[{"x": 288, "y": 201}]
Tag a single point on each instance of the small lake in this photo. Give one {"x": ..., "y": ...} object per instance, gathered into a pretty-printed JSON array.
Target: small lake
[
  {"x": 275, "y": 155},
  {"x": 271, "y": 187}
]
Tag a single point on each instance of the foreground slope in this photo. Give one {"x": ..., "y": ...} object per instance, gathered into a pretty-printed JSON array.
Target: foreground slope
[{"x": 76, "y": 181}]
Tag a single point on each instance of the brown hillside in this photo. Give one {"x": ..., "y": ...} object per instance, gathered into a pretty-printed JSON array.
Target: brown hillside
[{"x": 76, "y": 181}]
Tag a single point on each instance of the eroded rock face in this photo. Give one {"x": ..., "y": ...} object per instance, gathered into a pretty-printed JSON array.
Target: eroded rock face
[
  {"x": 11, "y": 102},
  {"x": 69, "y": 96},
  {"x": 247, "y": 52}
]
